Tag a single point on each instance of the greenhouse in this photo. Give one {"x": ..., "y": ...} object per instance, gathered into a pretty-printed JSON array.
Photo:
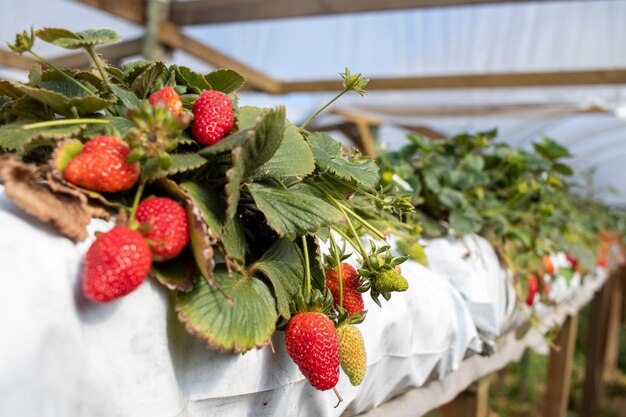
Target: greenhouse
[{"x": 313, "y": 208}]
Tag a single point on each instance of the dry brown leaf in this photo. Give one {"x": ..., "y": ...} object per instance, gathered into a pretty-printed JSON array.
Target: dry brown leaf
[{"x": 43, "y": 197}]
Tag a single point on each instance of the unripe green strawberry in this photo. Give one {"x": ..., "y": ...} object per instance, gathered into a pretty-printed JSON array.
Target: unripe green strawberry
[
  {"x": 352, "y": 299},
  {"x": 311, "y": 342},
  {"x": 389, "y": 280},
  {"x": 352, "y": 353}
]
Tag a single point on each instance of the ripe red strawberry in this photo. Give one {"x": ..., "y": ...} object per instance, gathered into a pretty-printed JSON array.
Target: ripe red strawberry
[
  {"x": 101, "y": 166},
  {"x": 166, "y": 224},
  {"x": 169, "y": 97},
  {"x": 311, "y": 341},
  {"x": 352, "y": 353},
  {"x": 572, "y": 261},
  {"x": 548, "y": 265},
  {"x": 533, "y": 289},
  {"x": 213, "y": 117},
  {"x": 115, "y": 264},
  {"x": 352, "y": 299}
]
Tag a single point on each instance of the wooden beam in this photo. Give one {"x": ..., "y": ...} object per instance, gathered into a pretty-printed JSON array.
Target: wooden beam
[
  {"x": 133, "y": 10},
  {"x": 497, "y": 80},
  {"x": 12, "y": 60},
  {"x": 560, "y": 370},
  {"x": 172, "y": 36},
  {"x": 614, "y": 325},
  {"x": 473, "y": 402},
  {"x": 221, "y": 11},
  {"x": 110, "y": 52}
]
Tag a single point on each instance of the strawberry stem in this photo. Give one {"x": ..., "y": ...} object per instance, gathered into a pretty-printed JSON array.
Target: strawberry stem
[
  {"x": 307, "y": 267},
  {"x": 63, "y": 122},
  {"x": 136, "y": 201},
  {"x": 310, "y": 119},
  {"x": 335, "y": 252},
  {"x": 96, "y": 60},
  {"x": 339, "y": 397},
  {"x": 60, "y": 71}
]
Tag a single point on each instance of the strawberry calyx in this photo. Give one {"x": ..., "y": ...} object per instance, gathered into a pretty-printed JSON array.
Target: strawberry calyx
[{"x": 315, "y": 302}]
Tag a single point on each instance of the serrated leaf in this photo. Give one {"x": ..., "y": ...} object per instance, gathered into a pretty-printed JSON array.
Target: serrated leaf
[
  {"x": 229, "y": 143},
  {"x": 291, "y": 213},
  {"x": 329, "y": 158},
  {"x": 465, "y": 221},
  {"x": 9, "y": 89},
  {"x": 13, "y": 137},
  {"x": 201, "y": 240},
  {"x": 210, "y": 205},
  {"x": 551, "y": 149},
  {"x": 119, "y": 126},
  {"x": 238, "y": 326},
  {"x": 67, "y": 88},
  {"x": 282, "y": 265},
  {"x": 254, "y": 152},
  {"x": 148, "y": 79},
  {"x": 178, "y": 273},
  {"x": 181, "y": 162},
  {"x": 225, "y": 80},
  {"x": 70, "y": 40},
  {"x": 249, "y": 116},
  {"x": 233, "y": 239},
  {"x": 127, "y": 98},
  {"x": 293, "y": 158},
  {"x": 63, "y": 105},
  {"x": 193, "y": 80}
]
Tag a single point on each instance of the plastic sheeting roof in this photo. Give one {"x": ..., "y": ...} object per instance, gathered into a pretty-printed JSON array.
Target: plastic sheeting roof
[{"x": 519, "y": 37}]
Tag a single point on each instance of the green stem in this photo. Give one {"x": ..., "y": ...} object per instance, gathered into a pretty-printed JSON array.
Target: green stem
[
  {"x": 335, "y": 252},
  {"x": 60, "y": 71},
  {"x": 98, "y": 63},
  {"x": 282, "y": 184},
  {"x": 358, "y": 218},
  {"x": 136, "y": 201},
  {"x": 310, "y": 119},
  {"x": 63, "y": 122},
  {"x": 307, "y": 267},
  {"x": 361, "y": 249}
]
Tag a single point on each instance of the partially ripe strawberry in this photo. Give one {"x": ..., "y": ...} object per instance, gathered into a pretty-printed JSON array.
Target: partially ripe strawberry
[
  {"x": 533, "y": 289},
  {"x": 603, "y": 262},
  {"x": 213, "y": 117},
  {"x": 101, "y": 166},
  {"x": 169, "y": 97},
  {"x": 352, "y": 353},
  {"x": 115, "y": 264},
  {"x": 165, "y": 222},
  {"x": 311, "y": 341},
  {"x": 352, "y": 299}
]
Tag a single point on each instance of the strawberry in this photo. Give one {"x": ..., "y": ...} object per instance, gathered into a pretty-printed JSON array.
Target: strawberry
[
  {"x": 533, "y": 289},
  {"x": 165, "y": 222},
  {"x": 548, "y": 266},
  {"x": 213, "y": 117},
  {"x": 115, "y": 264},
  {"x": 101, "y": 166},
  {"x": 602, "y": 262},
  {"x": 352, "y": 353},
  {"x": 572, "y": 261},
  {"x": 389, "y": 280},
  {"x": 169, "y": 97},
  {"x": 352, "y": 299},
  {"x": 311, "y": 341}
]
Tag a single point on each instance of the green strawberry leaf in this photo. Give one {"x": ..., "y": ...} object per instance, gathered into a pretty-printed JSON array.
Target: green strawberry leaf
[
  {"x": 254, "y": 152},
  {"x": 292, "y": 213},
  {"x": 70, "y": 40},
  {"x": 225, "y": 80},
  {"x": 194, "y": 81},
  {"x": 63, "y": 105},
  {"x": 238, "y": 324},
  {"x": 451, "y": 199},
  {"x": 149, "y": 79},
  {"x": 563, "y": 169},
  {"x": 178, "y": 273},
  {"x": 329, "y": 158},
  {"x": 249, "y": 116},
  {"x": 234, "y": 240},
  {"x": 282, "y": 265},
  {"x": 567, "y": 273},
  {"x": 67, "y": 88},
  {"x": 14, "y": 138},
  {"x": 229, "y": 143},
  {"x": 128, "y": 99},
  {"x": 293, "y": 158},
  {"x": 551, "y": 149},
  {"x": 465, "y": 221},
  {"x": 181, "y": 162}
]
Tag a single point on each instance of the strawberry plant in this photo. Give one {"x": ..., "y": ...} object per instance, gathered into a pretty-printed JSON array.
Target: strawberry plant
[{"x": 231, "y": 203}]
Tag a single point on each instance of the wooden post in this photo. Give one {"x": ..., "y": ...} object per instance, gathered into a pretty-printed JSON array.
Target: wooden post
[
  {"x": 614, "y": 324},
  {"x": 473, "y": 402},
  {"x": 560, "y": 370},
  {"x": 596, "y": 344}
]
